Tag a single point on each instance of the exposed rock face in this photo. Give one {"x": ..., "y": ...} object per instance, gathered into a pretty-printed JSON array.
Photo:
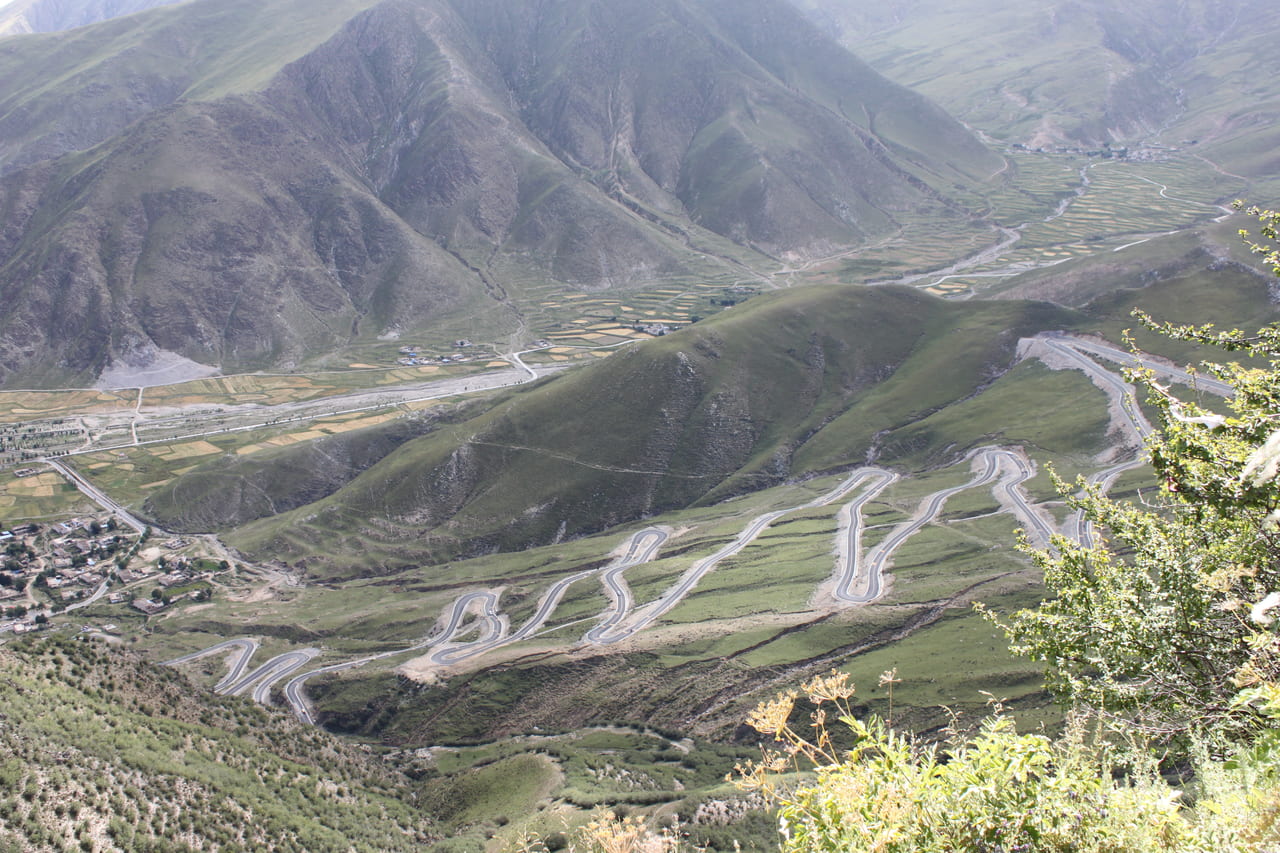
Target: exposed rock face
[{"x": 185, "y": 193}]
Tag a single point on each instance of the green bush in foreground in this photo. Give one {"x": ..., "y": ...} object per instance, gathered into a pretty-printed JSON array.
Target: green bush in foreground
[{"x": 999, "y": 790}]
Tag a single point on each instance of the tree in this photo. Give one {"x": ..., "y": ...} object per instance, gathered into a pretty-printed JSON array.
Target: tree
[{"x": 1169, "y": 617}]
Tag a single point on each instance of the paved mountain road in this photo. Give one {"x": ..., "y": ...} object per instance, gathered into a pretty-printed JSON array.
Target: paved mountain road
[
  {"x": 246, "y": 648},
  {"x": 858, "y": 576}
]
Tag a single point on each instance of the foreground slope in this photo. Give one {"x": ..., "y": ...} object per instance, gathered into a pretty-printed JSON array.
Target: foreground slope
[
  {"x": 254, "y": 185},
  {"x": 110, "y": 753}
]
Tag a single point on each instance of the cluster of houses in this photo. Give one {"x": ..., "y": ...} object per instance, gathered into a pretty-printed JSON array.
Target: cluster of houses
[
  {"x": 178, "y": 572},
  {"x": 67, "y": 562},
  {"x": 412, "y": 357},
  {"x": 1149, "y": 152},
  {"x": 69, "y": 559}
]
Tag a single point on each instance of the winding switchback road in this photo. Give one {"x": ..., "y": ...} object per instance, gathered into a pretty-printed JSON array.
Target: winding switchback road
[
  {"x": 1079, "y": 352},
  {"x": 858, "y": 576},
  {"x": 642, "y": 548},
  {"x": 617, "y": 628},
  {"x": 235, "y": 670},
  {"x": 1082, "y": 350},
  {"x": 281, "y": 666},
  {"x": 850, "y": 526},
  {"x": 270, "y": 672},
  {"x": 872, "y": 573},
  {"x": 1009, "y": 493}
]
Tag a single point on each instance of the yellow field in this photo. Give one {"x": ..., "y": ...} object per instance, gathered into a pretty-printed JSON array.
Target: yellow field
[
  {"x": 270, "y": 390},
  {"x": 359, "y": 423},
  {"x": 294, "y": 438},
  {"x": 28, "y": 405},
  {"x": 187, "y": 451},
  {"x": 36, "y": 486}
]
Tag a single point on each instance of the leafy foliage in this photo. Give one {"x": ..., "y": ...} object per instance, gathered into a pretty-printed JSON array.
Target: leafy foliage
[
  {"x": 1160, "y": 622},
  {"x": 997, "y": 790}
]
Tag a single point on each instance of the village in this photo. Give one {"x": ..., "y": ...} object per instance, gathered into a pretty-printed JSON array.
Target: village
[
  {"x": 412, "y": 356},
  {"x": 56, "y": 568}
]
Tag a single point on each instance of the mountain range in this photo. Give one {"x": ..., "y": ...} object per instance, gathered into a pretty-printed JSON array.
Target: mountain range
[
  {"x": 46, "y": 16},
  {"x": 252, "y": 185},
  {"x": 682, "y": 460},
  {"x": 1082, "y": 73}
]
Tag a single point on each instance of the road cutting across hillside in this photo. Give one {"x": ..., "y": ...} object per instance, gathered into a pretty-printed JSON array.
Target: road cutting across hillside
[{"x": 858, "y": 577}]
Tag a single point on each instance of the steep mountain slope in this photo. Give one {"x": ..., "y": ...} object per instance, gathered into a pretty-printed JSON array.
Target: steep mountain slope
[
  {"x": 47, "y": 16},
  {"x": 252, "y": 184},
  {"x": 1085, "y": 72},
  {"x": 106, "y": 752},
  {"x": 778, "y": 387},
  {"x": 66, "y": 92}
]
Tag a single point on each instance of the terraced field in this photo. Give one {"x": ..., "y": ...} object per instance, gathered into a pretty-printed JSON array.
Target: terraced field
[
  {"x": 1116, "y": 204},
  {"x": 38, "y": 497}
]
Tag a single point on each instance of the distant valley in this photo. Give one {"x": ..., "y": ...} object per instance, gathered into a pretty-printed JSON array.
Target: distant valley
[{"x": 523, "y": 391}]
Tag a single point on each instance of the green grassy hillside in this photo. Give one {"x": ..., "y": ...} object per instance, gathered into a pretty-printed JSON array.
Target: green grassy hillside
[
  {"x": 785, "y": 385},
  {"x": 1090, "y": 73},
  {"x": 44, "y": 16},
  {"x": 70, "y": 91}
]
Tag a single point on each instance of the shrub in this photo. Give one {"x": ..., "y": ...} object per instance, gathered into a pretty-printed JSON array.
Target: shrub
[{"x": 998, "y": 790}]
